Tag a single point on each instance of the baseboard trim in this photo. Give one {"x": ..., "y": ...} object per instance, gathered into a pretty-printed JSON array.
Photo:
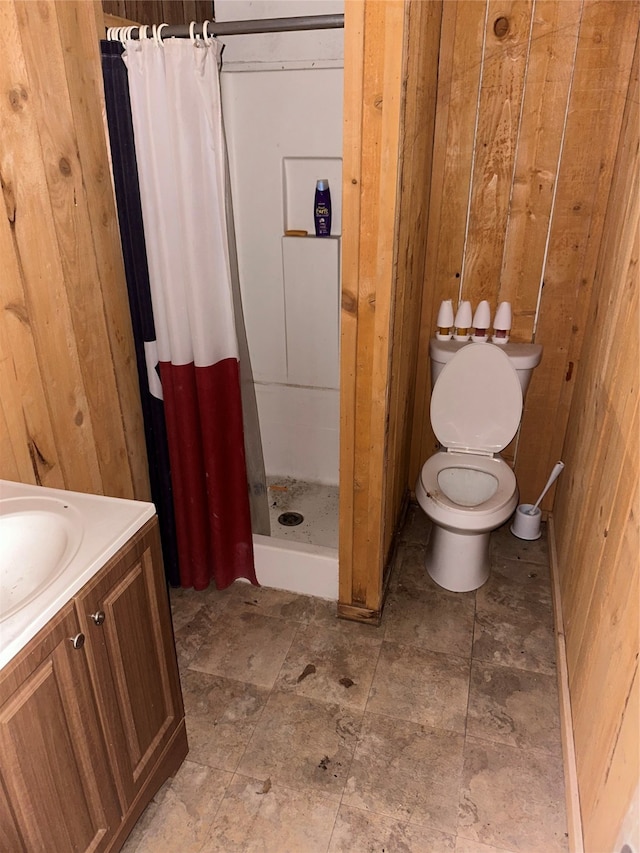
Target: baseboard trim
[{"x": 574, "y": 819}]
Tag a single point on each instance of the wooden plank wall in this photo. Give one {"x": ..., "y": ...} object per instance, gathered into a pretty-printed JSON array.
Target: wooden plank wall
[
  {"x": 160, "y": 11},
  {"x": 69, "y": 397},
  {"x": 374, "y": 47},
  {"x": 518, "y": 196},
  {"x": 390, "y": 71},
  {"x": 416, "y": 163},
  {"x": 597, "y": 512}
]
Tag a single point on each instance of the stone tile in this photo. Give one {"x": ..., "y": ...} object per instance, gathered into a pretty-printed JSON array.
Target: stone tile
[
  {"x": 515, "y": 633},
  {"x": 245, "y": 647},
  {"x": 512, "y": 798},
  {"x": 421, "y": 686},
  {"x": 505, "y": 544},
  {"x": 185, "y": 603},
  {"x": 190, "y": 636},
  {"x": 416, "y": 527},
  {"x": 182, "y": 818},
  {"x": 330, "y": 666},
  {"x": 409, "y": 569},
  {"x": 463, "y": 845},
  {"x": 302, "y": 744},
  {"x": 273, "y": 602},
  {"x": 221, "y": 716},
  {"x": 257, "y": 816},
  {"x": 429, "y": 619},
  {"x": 514, "y": 707},
  {"x": 406, "y": 771},
  {"x": 136, "y": 835},
  {"x": 516, "y": 580},
  {"x": 358, "y": 830},
  {"x": 412, "y": 573}
]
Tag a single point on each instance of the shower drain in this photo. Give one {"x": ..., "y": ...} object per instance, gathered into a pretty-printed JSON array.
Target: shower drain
[{"x": 290, "y": 519}]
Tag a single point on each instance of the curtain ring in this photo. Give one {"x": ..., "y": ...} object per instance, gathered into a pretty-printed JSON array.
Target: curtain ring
[
  {"x": 142, "y": 32},
  {"x": 125, "y": 35},
  {"x": 205, "y": 32},
  {"x": 192, "y": 34},
  {"x": 158, "y": 34}
]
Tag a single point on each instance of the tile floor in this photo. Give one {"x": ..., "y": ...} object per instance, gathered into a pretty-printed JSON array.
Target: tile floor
[{"x": 436, "y": 731}]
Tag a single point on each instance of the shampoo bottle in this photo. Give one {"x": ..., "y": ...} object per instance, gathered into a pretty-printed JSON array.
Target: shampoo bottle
[{"x": 322, "y": 209}]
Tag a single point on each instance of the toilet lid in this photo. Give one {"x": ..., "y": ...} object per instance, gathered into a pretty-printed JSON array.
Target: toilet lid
[{"x": 476, "y": 402}]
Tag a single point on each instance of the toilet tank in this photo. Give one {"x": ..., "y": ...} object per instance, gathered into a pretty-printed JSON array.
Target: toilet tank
[{"x": 524, "y": 357}]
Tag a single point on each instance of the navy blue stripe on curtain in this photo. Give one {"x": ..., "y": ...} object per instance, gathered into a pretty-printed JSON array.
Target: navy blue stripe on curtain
[{"x": 125, "y": 175}]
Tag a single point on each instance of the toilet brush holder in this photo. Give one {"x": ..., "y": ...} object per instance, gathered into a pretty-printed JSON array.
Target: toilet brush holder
[{"x": 526, "y": 525}]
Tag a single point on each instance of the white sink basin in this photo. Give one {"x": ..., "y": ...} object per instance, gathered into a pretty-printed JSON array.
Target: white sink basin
[
  {"x": 38, "y": 538},
  {"x": 52, "y": 542}
]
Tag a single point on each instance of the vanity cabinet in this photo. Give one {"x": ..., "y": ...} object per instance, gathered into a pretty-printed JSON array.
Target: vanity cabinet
[
  {"x": 58, "y": 792},
  {"x": 123, "y": 613},
  {"x": 91, "y": 715}
]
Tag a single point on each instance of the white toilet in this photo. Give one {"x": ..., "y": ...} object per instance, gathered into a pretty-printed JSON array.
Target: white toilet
[{"x": 467, "y": 489}]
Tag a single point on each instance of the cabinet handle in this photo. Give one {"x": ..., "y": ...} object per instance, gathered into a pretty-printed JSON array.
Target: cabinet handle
[
  {"x": 98, "y": 617},
  {"x": 78, "y": 641}
]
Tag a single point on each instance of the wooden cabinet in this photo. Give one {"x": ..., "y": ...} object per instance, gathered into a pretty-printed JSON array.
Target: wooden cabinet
[
  {"x": 124, "y": 615},
  {"x": 55, "y": 772},
  {"x": 91, "y": 715}
]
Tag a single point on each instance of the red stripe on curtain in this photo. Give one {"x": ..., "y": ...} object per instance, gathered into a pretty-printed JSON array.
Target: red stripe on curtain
[{"x": 203, "y": 409}]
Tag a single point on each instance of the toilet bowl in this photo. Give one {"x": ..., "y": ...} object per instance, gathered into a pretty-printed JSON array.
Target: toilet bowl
[{"x": 467, "y": 489}]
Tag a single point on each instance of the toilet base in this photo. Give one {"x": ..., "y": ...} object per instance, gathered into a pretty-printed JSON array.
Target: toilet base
[{"x": 459, "y": 562}]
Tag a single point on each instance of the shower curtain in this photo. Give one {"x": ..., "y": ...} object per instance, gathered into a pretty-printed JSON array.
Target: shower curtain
[{"x": 181, "y": 162}]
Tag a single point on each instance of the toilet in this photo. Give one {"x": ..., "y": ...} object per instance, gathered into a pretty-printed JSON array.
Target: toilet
[{"x": 466, "y": 488}]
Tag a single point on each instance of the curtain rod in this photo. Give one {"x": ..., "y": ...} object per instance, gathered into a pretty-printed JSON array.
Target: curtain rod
[{"x": 266, "y": 25}]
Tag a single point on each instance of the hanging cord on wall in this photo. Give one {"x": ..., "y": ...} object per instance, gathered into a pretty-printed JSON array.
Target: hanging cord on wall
[{"x": 231, "y": 28}]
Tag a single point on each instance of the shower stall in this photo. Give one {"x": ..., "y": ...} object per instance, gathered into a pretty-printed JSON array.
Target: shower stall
[{"x": 282, "y": 106}]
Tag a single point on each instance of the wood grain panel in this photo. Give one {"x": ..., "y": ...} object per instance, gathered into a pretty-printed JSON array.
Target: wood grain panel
[
  {"x": 597, "y": 510},
  {"x": 382, "y": 34},
  {"x": 66, "y": 181},
  {"x": 69, "y": 384},
  {"x": 600, "y": 79},
  {"x": 27, "y": 164},
  {"x": 378, "y": 266},
  {"x": 554, "y": 38},
  {"x": 369, "y": 290},
  {"x": 506, "y": 51},
  {"x": 351, "y": 204},
  {"x": 79, "y": 35},
  {"x": 160, "y": 11},
  {"x": 458, "y": 78},
  {"x": 390, "y": 73},
  {"x": 416, "y": 155},
  {"x": 29, "y": 449}
]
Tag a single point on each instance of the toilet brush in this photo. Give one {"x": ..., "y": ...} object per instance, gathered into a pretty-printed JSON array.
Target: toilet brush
[
  {"x": 527, "y": 517},
  {"x": 557, "y": 470}
]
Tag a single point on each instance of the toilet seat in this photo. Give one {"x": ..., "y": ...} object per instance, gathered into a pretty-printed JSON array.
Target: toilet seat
[
  {"x": 433, "y": 495},
  {"x": 476, "y": 404}
]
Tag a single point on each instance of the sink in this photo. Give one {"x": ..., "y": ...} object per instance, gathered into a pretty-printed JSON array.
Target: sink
[{"x": 38, "y": 539}]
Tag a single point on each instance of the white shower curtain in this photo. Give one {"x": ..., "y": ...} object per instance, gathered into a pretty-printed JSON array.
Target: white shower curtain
[{"x": 180, "y": 149}]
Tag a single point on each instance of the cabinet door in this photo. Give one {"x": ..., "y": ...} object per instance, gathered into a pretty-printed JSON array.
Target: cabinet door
[
  {"x": 57, "y": 791},
  {"x": 125, "y": 614}
]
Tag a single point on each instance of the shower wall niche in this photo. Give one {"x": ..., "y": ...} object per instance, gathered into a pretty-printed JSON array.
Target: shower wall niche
[{"x": 283, "y": 119}]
